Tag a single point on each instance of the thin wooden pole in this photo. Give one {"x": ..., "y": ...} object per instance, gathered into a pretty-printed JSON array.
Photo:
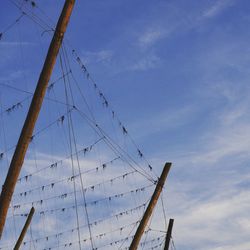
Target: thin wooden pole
[
  {"x": 169, "y": 234},
  {"x": 25, "y": 228},
  {"x": 29, "y": 124},
  {"x": 150, "y": 208}
]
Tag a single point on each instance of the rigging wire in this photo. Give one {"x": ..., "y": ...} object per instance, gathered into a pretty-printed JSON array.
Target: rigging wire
[
  {"x": 72, "y": 160},
  {"x": 11, "y": 25},
  {"x": 95, "y": 85},
  {"x": 93, "y": 223},
  {"x": 107, "y": 139},
  {"x": 77, "y": 158}
]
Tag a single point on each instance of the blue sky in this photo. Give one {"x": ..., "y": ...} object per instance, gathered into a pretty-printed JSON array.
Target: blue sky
[{"x": 176, "y": 73}]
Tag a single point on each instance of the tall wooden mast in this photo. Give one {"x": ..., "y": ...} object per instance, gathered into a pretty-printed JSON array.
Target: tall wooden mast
[
  {"x": 29, "y": 124},
  {"x": 169, "y": 234},
  {"x": 25, "y": 228},
  {"x": 150, "y": 208}
]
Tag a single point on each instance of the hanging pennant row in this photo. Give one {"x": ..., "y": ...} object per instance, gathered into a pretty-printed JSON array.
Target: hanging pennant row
[
  {"x": 71, "y": 178},
  {"x": 90, "y": 188},
  {"x": 106, "y": 104},
  {"x": 91, "y": 203},
  {"x": 94, "y": 223},
  {"x": 59, "y": 162}
]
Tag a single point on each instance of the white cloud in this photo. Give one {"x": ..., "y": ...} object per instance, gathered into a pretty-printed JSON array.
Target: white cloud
[
  {"x": 151, "y": 36},
  {"x": 148, "y": 62},
  {"x": 97, "y": 57},
  {"x": 217, "y": 221},
  {"x": 217, "y": 8}
]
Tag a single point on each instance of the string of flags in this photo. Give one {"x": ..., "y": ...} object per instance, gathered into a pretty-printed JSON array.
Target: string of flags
[
  {"x": 59, "y": 120},
  {"x": 68, "y": 179},
  {"x": 91, "y": 203},
  {"x": 19, "y": 104},
  {"x": 55, "y": 164},
  {"x": 99, "y": 236},
  {"x": 85, "y": 150},
  {"x": 106, "y": 104},
  {"x": 66, "y": 195},
  {"x": 117, "y": 216},
  {"x": 16, "y": 106}
]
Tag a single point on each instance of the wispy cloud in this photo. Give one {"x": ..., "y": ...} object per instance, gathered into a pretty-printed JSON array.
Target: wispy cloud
[
  {"x": 97, "y": 57},
  {"x": 217, "y": 8},
  {"x": 151, "y": 36},
  {"x": 148, "y": 62}
]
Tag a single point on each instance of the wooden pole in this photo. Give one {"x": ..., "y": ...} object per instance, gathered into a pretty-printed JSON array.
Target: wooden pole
[
  {"x": 25, "y": 228},
  {"x": 150, "y": 208},
  {"x": 169, "y": 234},
  {"x": 29, "y": 124}
]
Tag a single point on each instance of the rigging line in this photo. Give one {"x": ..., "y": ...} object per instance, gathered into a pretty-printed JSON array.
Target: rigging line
[
  {"x": 11, "y": 25},
  {"x": 104, "y": 234},
  {"x": 51, "y": 84},
  {"x": 133, "y": 228},
  {"x": 96, "y": 85},
  {"x": 93, "y": 223},
  {"x": 14, "y": 88},
  {"x": 40, "y": 196},
  {"x": 91, "y": 203},
  {"x": 92, "y": 80},
  {"x": 124, "y": 240},
  {"x": 79, "y": 89},
  {"x": 60, "y": 161},
  {"x": 95, "y": 125},
  {"x": 22, "y": 65},
  {"x": 156, "y": 230},
  {"x": 77, "y": 158},
  {"x": 84, "y": 100},
  {"x": 81, "y": 181},
  {"x": 153, "y": 240},
  {"x": 52, "y": 184},
  {"x": 38, "y": 132},
  {"x": 67, "y": 61},
  {"x": 46, "y": 98},
  {"x": 64, "y": 195},
  {"x": 95, "y": 236},
  {"x": 35, "y": 5},
  {"x": 155, "y": 246},
  {"x": 35, "y": 16},
  {"x": 125, "y": 130},
  {"x": 45, "y": 15},
  {"x": 83, "y": 97},
  {"x": 109, "y": 142},
  {"x": 108, "y": 105},
  {"x": 64, "y": 133},
  {"x": 60, "y": 119},
  {"x": 172, "y": 240},
  {"x": 71, "y": 152},
  {"x": 31, "y": 236},
  {"x": 118, "y": 241},
  {"x": 163, "y": 210},
  {"x": 32, "y": 16},
  {"x": 148, "y": 230},
  {"x": 16, "y": 105},
  {"x": 107, "y": 136}
]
